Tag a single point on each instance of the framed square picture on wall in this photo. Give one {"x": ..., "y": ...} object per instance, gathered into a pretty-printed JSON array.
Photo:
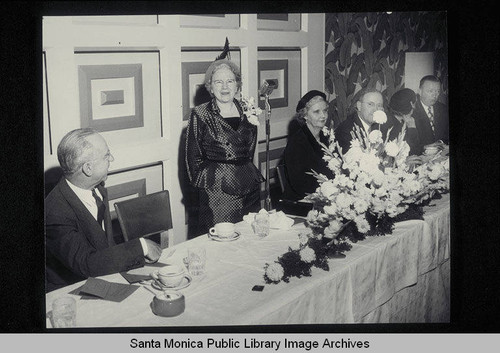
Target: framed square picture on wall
[
  {"x": 111, "y": 96},
  {"x": 119, "y": 95}
]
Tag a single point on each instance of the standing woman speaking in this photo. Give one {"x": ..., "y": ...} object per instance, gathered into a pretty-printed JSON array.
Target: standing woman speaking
[{"x": 220, "y": 146}]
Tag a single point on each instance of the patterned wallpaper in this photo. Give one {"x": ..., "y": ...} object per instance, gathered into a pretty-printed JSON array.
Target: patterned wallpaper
[{"x": 368, "y": 50}]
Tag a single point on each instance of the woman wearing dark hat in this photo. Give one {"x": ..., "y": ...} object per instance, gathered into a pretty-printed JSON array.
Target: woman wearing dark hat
[
  {"x": 303, "y": 152},
  {"x": 401, "y": 106},
  {"x": 220, "y": 145}
]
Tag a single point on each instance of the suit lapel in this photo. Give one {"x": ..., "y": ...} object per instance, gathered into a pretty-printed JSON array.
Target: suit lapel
[{"x": 85, "y": 217}]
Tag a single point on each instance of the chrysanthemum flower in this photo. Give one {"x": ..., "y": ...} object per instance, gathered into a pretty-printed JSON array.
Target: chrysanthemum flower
[
  {"x": 392, "y": 148},
  {"x": 275, "y": 272},
  {"x": 328, "y": 189},
  {"x": 307, "y": 254},
  {"x": 375, "y": 136},
  {"x": 380, "y": 117}
]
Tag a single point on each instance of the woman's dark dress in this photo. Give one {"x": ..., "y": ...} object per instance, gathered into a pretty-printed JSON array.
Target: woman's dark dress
[
  {"x": 219, "y": 163},
  {"x": 303, "y": 154}
]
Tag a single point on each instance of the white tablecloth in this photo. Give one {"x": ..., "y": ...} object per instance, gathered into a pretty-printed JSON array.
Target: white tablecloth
[{"x": 403, "y": 277}]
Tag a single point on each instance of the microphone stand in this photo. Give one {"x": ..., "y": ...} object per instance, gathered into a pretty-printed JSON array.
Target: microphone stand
[{"x": 267, "y": 204}]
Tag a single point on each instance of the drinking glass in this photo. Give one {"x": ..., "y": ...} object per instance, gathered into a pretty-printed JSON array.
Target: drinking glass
[
  {"x": 261, "y": 225},
  {"x": 196, "y": 261},
  {"x": 64, "y": 312}
]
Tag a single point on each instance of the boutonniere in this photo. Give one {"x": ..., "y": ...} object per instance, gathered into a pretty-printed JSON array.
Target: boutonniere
[{"x": 250, "y": 110}]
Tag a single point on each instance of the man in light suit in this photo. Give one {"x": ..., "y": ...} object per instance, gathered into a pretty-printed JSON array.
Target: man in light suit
[
  {"x": 370, "y": 100},
  {"x": 78, "y": 236},
  {"x": 431, "y": 116}
]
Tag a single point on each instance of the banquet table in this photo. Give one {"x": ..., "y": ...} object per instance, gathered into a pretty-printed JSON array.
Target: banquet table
[{"x": 403, "y": 277}]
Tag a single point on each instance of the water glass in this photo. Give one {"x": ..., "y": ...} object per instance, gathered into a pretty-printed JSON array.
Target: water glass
[
  {"x": 261, "y": 225},
  {"x": 64, "y": 312},
  {"x": 196, "y": 261}
]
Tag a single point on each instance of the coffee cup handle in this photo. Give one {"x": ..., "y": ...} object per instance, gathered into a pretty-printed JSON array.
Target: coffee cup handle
[{"x": 212, "y": 231}]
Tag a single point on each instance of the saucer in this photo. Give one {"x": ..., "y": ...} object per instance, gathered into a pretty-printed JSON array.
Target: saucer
[
  {"x": 186, "y": 281},
  {"x": 215, "y": 237}
]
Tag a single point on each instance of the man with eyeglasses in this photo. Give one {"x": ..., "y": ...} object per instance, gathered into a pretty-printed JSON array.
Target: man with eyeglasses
[
  {"x": 78, "y": 236},
  {"x": 370, "y": 100}
]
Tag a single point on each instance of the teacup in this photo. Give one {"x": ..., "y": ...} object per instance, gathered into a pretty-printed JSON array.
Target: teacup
[
  {"x": 223, "y": 230},
  {"x": 170, "y": 275}
]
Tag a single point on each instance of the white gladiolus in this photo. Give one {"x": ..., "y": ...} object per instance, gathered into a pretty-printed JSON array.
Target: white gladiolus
[
  {"x": 354, "y": 154},
  {"x": 369, "y": 163},
  {"x": 355, "y": 143},
  {"x": 328, "y": 189},
  {"x": 378, "y": 177},
  {"x": 330, "y": 209},
  {"x": 333, "y": 164}
]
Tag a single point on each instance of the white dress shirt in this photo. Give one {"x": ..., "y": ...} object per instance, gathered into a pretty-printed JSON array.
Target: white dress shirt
[
  {"x": 87, "y": 199},
  {"x": 365, "y": 126},
  {"x": 89, "y": 202}
]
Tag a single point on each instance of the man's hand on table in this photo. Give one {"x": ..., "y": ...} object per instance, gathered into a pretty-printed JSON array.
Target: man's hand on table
[{"x": 154, "y": 252}]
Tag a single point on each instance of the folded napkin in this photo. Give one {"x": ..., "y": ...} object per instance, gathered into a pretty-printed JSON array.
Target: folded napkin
[
  {"x": 115, "y": 292},
  {"x": 277, "y": 220}
]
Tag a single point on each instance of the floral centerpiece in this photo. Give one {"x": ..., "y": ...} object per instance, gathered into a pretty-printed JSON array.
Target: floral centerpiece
[
  {"x": 250, "y": 110},
  {"x": 373, "y": 188}
]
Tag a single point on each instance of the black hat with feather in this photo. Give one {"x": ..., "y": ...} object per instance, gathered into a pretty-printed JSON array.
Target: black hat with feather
[{"x": 225, "y": 52}]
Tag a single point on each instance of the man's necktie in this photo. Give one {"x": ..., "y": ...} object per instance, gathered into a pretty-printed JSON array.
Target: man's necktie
[
  {"x": 431, "y": 117},
  {"x": 100, "y": 208}
]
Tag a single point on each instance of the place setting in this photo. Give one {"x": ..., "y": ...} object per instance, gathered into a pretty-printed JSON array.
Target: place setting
[
  {"x": 170, "y": 277},
  {"x": 173, "y": 277},
  {"x": 265, "y": 223},
  {"x": 223, "y": 232},
  {"x": 177, "y": 276}
]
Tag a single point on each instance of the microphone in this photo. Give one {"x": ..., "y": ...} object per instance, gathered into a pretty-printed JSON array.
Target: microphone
[{"x": 267, "y": 87}]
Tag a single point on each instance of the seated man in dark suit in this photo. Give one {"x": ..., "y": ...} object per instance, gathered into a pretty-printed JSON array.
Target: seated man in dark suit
[
  {"x": 431, "y": 116},
  {"x": 370, "y": 100},
  {"x": 79, "y": 241}
]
